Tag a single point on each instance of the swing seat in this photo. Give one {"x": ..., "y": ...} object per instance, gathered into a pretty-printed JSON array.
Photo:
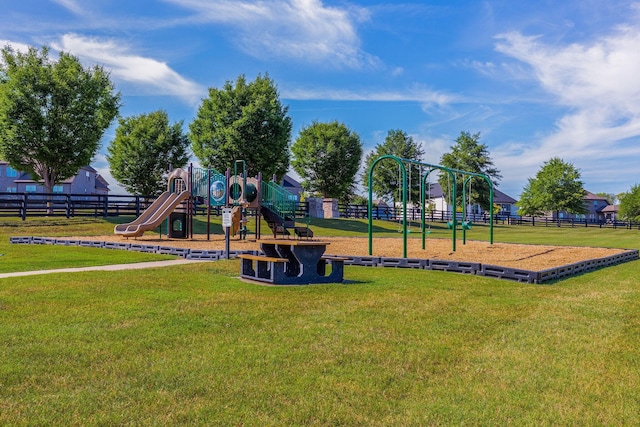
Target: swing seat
[
  {"x": 408, "y": 230},
  {"x": 449, "y": 225},
  {"x": 466, "y": 225}
]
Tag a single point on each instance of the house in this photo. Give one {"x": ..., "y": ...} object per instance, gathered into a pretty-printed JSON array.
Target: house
[
  {"x": 610, "y": 213},
  {"x": 507, "y": 203},
  {"x": 292, "y": 186},
  {"x": 88, "y": 181},
  {"x": 594, "y": 205},
  {"x": 598, "y": 210}
]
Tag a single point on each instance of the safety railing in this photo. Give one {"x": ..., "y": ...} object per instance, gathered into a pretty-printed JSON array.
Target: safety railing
[{"x": 279, "y": 199}]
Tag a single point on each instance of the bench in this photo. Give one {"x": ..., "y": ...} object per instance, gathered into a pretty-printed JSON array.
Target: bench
[
  {"x": 337, "y": 267},
  {"x": 262, "y": 268}
]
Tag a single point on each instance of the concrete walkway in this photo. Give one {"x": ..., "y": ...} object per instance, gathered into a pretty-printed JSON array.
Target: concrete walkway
[{"x": 113, "y": 267}]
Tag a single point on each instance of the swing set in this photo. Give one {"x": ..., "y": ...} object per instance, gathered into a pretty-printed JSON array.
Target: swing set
[
  {"x": 406, "y": 186},
  {"x": 399, "y": 197}
]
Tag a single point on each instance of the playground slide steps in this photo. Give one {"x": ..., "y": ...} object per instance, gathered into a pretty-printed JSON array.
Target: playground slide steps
[{"x": 281, "y": 226}]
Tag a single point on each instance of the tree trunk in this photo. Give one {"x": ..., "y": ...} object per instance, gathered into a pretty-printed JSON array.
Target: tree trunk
[{"x": 48, "y": 184}]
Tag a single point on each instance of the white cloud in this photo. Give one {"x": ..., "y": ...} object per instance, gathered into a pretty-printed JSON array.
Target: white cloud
[
  {"x": 71, "y": 5},
  {"x": 416, "y": 94},
  {"x": 598, "y": 83},
  {"x": 298, "y": 29},
  {"x": 101, "y": 164},
  {"x": 19, "y": 47},
  {"x": 147, "y": 74},
  {"x": 397, "y": 71}
]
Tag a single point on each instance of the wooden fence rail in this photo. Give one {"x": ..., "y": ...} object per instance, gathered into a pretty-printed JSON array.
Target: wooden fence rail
[{"x": 25, "y": 205}]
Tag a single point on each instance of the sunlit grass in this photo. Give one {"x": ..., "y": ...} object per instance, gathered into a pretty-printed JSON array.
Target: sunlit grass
[
  {"x": 194, "y": 345},
  {"x": 14, "y": 257}
]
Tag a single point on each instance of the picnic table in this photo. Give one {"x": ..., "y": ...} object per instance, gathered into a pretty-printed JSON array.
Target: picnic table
[{"x": 292, "y": 262}]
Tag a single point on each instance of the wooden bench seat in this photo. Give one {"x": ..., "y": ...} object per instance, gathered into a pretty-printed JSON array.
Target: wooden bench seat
[{"x": 262, "y": 258}]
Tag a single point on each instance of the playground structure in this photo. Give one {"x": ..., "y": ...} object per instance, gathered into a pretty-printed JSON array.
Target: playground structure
[
  {"x": 284, "y": 261},
  {"x": 238, "y": 192},
  {"x": 177, "y": 193},
  {"x": 452, "y": 176}
]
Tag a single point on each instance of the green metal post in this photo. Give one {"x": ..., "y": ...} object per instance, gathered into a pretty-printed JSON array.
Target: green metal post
[
  {"x": 404, "y": 201},
  {"x": 424, "y": 204},
  {"x": 464, "y": 209},
  {"x": 454, "y": 221}
]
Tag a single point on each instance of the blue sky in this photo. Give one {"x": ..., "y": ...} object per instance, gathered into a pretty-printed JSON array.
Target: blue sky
[{"x": 537, "y": 79}]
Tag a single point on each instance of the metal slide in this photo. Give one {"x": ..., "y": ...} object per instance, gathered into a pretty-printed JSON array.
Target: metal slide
[{"x": 153, "y": 216}]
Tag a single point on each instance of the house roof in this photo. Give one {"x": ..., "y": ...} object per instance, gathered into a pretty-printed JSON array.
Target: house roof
[
  {"x": 592, "y": 196},
  {"x": 101, "y": 183},
  {"x": 288, "y": 181},
  {"x": 610, "y": 208}
]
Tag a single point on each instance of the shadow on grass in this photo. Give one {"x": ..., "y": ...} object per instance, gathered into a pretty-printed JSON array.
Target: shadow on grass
[{"x": 353, "y": 225}]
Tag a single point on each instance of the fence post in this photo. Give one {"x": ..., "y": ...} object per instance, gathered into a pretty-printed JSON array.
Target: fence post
[
  {"x": 105, "y": 209},
  {"x": 24, "y": 206},
  {"x": 137, "y": 206},
  {"x": 67, "y": 200}
]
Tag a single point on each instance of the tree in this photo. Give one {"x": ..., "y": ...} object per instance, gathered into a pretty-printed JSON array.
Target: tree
[
  {"x": 327, "y": 156},
  {"x": 243, "y": 122},
  {"x": 143, "y": 149},
  {"x": 556, "y": 187},
  {"x": 386, "y": 178},
  {"x": 52, "y": 114},
  {"x": 630, "y": 204},
  {"x": 469, "y": 155}
]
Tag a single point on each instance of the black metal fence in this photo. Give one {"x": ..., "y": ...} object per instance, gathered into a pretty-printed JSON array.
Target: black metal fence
[
  {"x": 25, "y": 205},
  {"x": 392, "y": 213}
]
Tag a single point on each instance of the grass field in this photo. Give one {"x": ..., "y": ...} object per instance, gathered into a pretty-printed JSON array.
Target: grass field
[{"x": 193, "y": 345}]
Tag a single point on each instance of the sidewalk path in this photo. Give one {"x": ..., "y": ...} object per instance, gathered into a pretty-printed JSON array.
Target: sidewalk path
[{"x": 132, "y": 266}]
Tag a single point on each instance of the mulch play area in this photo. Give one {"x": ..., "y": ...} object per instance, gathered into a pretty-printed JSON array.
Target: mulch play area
[
  {"x": 529, "y": 257},
  {"x": 520, "y": 262}
]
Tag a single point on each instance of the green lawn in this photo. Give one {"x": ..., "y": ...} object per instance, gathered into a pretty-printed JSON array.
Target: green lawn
[
  {"x": 193, "y": 345},
  {"x": 43, "y": 257}
]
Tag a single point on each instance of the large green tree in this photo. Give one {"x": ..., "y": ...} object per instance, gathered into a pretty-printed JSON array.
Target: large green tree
[
  {"x": 468, "y": 154},
  {"x": 387, "y": 177},
  {"x": 52, "y": 113},
  {"x": 143, "y": 149},
  {"x": 327, "y": 156},
  {"x": 245, "y": 121},
  {"x": 556, "y": 187},
  {"x": 630, "y": 204}
]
